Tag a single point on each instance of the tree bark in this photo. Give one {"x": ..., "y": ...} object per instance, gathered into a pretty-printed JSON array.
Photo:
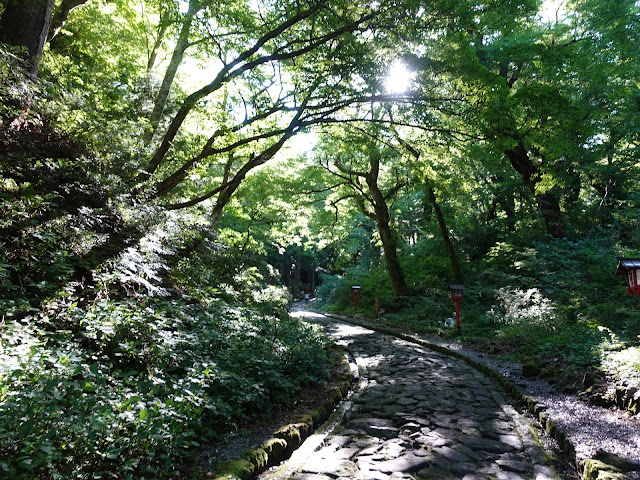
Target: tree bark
[
  {"x": 60, "y": 16},
  {"x": 285, "y": 273},
  {"x": 390, "y": 248},
  {"x": 448, "y": 245},
  {"x": 25, "y": 23},
  {"x": 153, "y": 53},
  {"x": 387, "y": 235},
  {"x": 548, "y": 202},
  {"x": 311, "y": 280},
  {"x": 172, "y": 69}
]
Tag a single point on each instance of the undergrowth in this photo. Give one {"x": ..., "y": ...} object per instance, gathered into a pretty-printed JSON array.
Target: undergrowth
[
  {"x": 128, "y": 390},
  {"x": 173, "y": 343},
  {"x": 557, "y": 305}
]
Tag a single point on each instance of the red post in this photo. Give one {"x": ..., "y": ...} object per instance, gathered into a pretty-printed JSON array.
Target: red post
[
  {"x": 456, "y": 296},
  {"x": 355, "y": 289}
]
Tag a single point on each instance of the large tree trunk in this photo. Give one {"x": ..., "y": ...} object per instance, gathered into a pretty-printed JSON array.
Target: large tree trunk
[
  {"x": 387, "y": 235},
  {"x": 390, "y": 248},
  {"x": 311, "y": 280},
  {"x": 25, "y": 23},
  {"x": 448, "y": 244},
  {"x": 548, "y": 202}
]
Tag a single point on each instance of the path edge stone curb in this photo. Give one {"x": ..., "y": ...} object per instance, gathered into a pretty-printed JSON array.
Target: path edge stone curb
[
  {"x": 288, "y": 438},
  {"x": 589, "y": 469}
]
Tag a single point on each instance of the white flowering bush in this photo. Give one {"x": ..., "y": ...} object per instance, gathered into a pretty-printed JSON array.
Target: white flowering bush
[{"x": 518, "y": 307}]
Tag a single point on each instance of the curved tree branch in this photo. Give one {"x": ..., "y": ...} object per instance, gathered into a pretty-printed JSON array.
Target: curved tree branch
[{"x": 60, "y": 16}]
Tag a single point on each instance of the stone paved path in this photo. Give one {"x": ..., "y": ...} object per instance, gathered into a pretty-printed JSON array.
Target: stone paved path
[{"x": 416, "y": 414}]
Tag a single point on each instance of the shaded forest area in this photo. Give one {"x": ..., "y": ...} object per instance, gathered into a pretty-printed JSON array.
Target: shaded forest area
[{"x": 174, "y": 173}]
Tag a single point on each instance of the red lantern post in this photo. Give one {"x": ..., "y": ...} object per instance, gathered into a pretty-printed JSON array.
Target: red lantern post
[
  {"x": 457, "y": 296},
  {"x": 355, "y": 289}
]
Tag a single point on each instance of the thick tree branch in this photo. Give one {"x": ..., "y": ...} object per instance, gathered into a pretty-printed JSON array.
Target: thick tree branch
[
  {"x": 60, "y": 16},
  {"x": 228, "y": 187},
  {"x": 176, "y": 59},
  {"x": 322, "y": 190},
  {"x": 237, "y": 67},
  {"x": 227, "y": 73},
  {"x": 348, "y": 180},
  {"x": 165, "y": 186}
]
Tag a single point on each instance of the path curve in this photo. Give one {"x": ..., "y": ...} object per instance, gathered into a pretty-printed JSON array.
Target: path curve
[{"x": 415, "y": 414}]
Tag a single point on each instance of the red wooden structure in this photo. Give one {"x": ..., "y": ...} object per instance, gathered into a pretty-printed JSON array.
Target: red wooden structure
[
  {"x": 457, "y": 295},
  {"x": 630, "y": 267},
  {"x": 355, "y": 289}
]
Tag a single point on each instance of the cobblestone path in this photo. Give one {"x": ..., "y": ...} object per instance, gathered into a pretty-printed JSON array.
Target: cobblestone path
[{"x": 416, "y": 414}]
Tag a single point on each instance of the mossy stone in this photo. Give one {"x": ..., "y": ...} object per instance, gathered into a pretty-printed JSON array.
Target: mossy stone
[
  {"x": 234, "y": 470},
  {"x": 589, "y": 379},
  {"x": 632, "y": 399},
  {"x": 597, "y": 470},
  {"x": 344, "y": 388},
  {"x": 258, "y": 458},
  {"x": 318, "y": 415},
  {"x": 550, "y": 427},
  {"x": 291, "y": 435},
  {"x": 335, "y": 396},
  {"x": 276, "y": 449},
  {"x": 615, "y": 461},
  {"x": 303, "y": 428},
  {"x": 306, "y": 419}
]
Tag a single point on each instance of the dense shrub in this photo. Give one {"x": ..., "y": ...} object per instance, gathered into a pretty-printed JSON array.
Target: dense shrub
[{"x": 128, "y": 390}]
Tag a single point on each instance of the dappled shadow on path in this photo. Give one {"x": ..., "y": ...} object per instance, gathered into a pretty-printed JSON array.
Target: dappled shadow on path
[{"x": 420, "y": 414}]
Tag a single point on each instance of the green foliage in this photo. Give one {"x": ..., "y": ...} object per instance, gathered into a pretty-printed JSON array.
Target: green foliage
[
  {"x": 128, "y": 372},
  {"x": 130, "y": 333},
  {"x": 15, "y": 85},
  {"x": 130, "y": 389}
]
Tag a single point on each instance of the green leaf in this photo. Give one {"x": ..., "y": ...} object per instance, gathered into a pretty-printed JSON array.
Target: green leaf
[{"x": 47, "y": 448}]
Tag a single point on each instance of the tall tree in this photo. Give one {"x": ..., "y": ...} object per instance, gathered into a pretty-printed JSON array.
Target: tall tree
[
  {"x": 357, "y": 163},
  {"x": 523, "y": 117},
  {"x": 494, "y": 58},
  {"x": 442, "y": 224},
  {"x": 25, "y": 23},
  {"x": 295, "y": 73}
]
